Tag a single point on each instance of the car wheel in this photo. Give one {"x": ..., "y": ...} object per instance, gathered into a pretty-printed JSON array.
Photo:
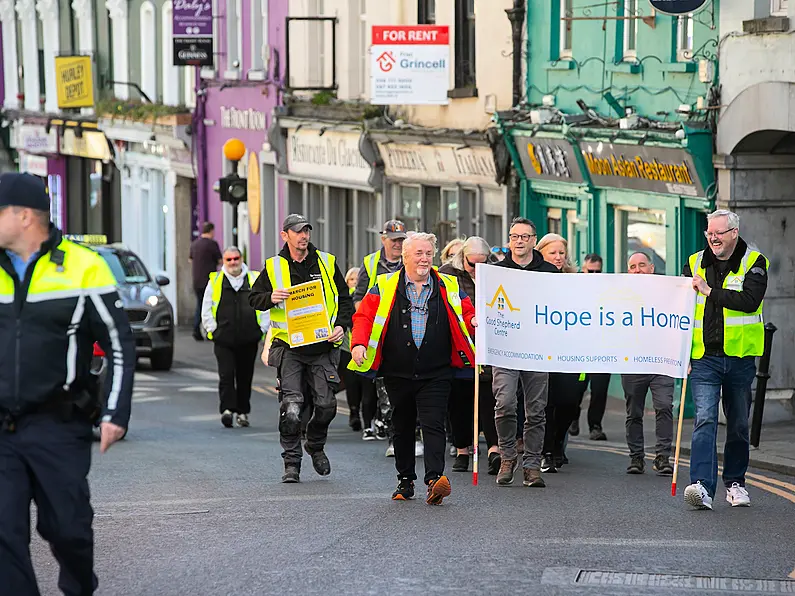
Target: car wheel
[{"x": 162, "y": 359}]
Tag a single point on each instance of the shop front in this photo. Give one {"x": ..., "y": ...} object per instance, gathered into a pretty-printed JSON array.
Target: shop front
[
  {"x": 239, "y": 112},
  {"x": 447, "y": 188},
  {"x": 325, "y": 177}
]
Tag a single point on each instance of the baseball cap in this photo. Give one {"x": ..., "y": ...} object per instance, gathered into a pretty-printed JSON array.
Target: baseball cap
[
  {"x": 394, "y": 229},
  {"x": 23, "y": 190},
  {"x": 296, "y": 223}
]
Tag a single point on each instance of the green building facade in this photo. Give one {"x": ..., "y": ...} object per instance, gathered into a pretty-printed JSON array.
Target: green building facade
[{"x": 613, "y": 143}]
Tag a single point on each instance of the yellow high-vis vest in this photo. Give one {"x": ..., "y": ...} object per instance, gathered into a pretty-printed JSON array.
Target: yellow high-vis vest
[
  {"x": 371, "y": 266},
  {"x": 743, "y": 333},
  {"x": 217, "y": 280},
  {"x": 278, "y": 271}
]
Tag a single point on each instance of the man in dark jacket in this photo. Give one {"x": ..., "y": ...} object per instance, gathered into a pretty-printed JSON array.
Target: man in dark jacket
[
  {"x": 523, "y": 257},
  {"x": 316, "y": 364},
  {"x": 236, "y": 330}
]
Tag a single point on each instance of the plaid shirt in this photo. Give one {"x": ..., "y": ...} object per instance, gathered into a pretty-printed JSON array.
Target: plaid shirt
[{"x": 419, "y": 309}]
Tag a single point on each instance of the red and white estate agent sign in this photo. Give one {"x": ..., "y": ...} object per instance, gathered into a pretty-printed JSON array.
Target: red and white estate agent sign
[{"x": 410, "y": 65}]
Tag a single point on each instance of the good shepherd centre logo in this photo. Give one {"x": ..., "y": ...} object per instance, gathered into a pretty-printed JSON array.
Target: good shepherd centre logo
[
  {"x": 501, "y": 300},
  {"x": 386, "y": 61}
]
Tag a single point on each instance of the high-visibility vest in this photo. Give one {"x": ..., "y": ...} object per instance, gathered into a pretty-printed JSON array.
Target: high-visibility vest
[
  {"x": 278, "y": 271},
  {"x": 346, "y": 344},
  {"x": 217, "y": 280},
  {"x": 387, "y": 288},
  {"x": 371, "y": 266},
  {"x": 743, "y": 333}
]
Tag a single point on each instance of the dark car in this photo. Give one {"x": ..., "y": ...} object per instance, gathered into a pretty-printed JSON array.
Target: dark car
[{"x": 151, "y": 314}]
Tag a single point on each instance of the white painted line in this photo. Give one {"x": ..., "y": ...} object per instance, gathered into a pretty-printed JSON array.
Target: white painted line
[
  {"x": 198, "y": 389},
  {"x": 139, "y": 389},
  {"x": 197, "y": 373},
  {"x": 145, "y": 377},
  {"x": 202, "y": 418},
  {"x": 148, "y": 399}
]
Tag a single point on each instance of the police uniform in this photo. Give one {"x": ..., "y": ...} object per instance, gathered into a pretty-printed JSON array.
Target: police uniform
[
  {"x": 728, "y": 334},
  {"x": 50, "y": 317},
  {"x": 314, "y": 364}
]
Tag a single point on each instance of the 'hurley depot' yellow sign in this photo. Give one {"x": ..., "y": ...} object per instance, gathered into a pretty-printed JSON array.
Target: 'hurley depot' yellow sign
[{"x": 75, "y": 82}]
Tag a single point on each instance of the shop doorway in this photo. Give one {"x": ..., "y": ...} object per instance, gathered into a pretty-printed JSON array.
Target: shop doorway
[{"x": 641, "y": 230}]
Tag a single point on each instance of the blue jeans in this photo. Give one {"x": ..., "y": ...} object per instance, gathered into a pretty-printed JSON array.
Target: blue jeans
[{"x": 709, "y": 375}]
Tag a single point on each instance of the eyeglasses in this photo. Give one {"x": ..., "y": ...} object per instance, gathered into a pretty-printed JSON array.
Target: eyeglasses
[
  {"x": 231, "y": 259},
  {"x": 522, "y": 237},
  {"x": 710, "y": 234}
]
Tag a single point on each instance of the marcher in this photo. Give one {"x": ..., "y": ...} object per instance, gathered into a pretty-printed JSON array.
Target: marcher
[
  {"x": 522, "y": 257},
  {"x": 461, "y": 404},
  {"x": 315, "y": 364},
  {"x": 205, "y": 258},
  {"x": 386, "y": 260},
  {"x": 236, "y": 331},
  {"x": 353, "y": 383},
  {"x": 662, "y": 394},
  {"x": 60, "y": 297},
  {"x": 450, "y": 250},
  {"x": 599, "y": 382},
  {"x": 565, "y": 389},
  {"x": 728, "y": 333},
  {"x": 413, "y": 328}
]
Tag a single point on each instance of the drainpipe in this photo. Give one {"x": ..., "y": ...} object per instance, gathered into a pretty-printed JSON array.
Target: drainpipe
[
  {"x": 517, "y": 17},
  {"x": 200, "y": 149}
]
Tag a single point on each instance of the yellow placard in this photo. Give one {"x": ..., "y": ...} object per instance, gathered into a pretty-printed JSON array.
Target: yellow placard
[
  {"x": 253, "y": 192},
  {"x": 75, "y": 82},
  {"x": 307, "y": 318}
]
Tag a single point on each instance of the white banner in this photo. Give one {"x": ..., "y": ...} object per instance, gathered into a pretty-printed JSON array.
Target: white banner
[{"x": 557, "y": 322}]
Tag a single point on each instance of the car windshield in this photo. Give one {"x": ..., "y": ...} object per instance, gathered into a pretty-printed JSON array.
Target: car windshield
[{"x": 127, "y": 268}]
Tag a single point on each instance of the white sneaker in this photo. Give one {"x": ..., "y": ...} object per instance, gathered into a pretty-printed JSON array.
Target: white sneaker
[
  {"x": 390, "y": 450},
  {"x": 242, "y": 420},
  {"x": 738, "y": 496},
  {"x": 697, "y": 496},
  {"x": 419, "y": 449}
]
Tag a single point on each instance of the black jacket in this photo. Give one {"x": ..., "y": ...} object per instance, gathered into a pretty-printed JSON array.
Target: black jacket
[
  {"x": 748, "y": 300},
  {"x": 306, "y": 270},
  {"x": 237, "y": 321},
  {"x": 47, "y": 343},
  {"x": 537, "y": 264},
  {"x": 402, "y": 358}
]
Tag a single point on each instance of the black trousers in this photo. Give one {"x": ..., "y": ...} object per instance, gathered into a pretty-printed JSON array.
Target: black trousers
[
  {"x": 600, "y": 383},
  {"x": 563, "y": 407},
  {"x": 197, "y": 316},
  {"x": 461, "y": 408},
  {"x": 235, "y": 373},
  {"x": 360, "y": 392},
  {"x": 428, "y": 400},
  {"x": 46, "y": 460}
]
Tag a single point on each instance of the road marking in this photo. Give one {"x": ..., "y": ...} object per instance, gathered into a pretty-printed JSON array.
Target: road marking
[
  {"x": 145, "y": 377},
  {"x": 201, "y": 418},
  {"x": 139, "y": 389},
  {"x": 197, "y": 389},
  {"x": 199, "y": 374},
  {"x": 147, "y": 399}
]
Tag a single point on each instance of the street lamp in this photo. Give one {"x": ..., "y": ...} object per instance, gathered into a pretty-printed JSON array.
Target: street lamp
[{"x": 232, "y": 188}]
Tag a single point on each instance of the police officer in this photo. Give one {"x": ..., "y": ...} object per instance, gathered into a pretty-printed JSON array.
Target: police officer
[
  {"x": 56, "y": 299},
  {"x": 728, "y": 333},
  {"x": 235, "y": 330},
  {"x": 315, "y": 364}
]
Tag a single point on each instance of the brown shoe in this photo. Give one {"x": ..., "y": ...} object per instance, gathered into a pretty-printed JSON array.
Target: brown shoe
[
  {"x": 437, "y": 490},
  {"x": 505, "y": 475},
  {"x": 532, "y": 478}
]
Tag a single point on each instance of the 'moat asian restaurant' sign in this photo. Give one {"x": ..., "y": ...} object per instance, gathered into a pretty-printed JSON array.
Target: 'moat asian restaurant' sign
[{"x": 641, "y": 167}]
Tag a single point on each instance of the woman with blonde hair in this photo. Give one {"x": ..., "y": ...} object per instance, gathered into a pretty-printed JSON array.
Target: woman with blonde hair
[
  {"x": 450, "y": 250},
  {"x": 565, "y": 389}
]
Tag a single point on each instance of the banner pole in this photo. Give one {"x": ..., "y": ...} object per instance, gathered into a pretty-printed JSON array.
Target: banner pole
[
  {"x": 679, "y": 436},
  {"x": 477, "y": 431}
]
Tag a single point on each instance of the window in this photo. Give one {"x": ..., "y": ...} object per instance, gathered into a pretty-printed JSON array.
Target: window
[
  {"x": 126, "y": 267},
  {"x": 410, "y": 203},
  {"x": 170, "y": 72},
  {"x": 465, "y": 44},
  {"x": 426, "y": 12},
  {"x": 641, "y": 230},
  {"x": 684, "y": 38},
  {"x": 148, "y": 51},
  {"x": 233, "y": 40},
  {"x": 779, "y": 8},
  {"x": 260, "y": 50},
  {"x": 364, "y": 54},
  {"x": 189, "y": 86},
  {"x": 630, "y": 30},
  {"x": 566, "y": 12}
]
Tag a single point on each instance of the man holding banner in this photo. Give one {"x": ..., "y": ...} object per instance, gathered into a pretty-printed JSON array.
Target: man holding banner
[
  {"x": 304, "y": 351},
  {"x": 730, "y": 278}
]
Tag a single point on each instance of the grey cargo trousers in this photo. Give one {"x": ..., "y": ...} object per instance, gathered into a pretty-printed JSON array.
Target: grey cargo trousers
[{"x": 535, "y": 386}]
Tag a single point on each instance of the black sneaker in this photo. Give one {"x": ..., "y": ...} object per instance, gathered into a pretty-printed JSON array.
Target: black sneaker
[
  {"x": 548, "y": 465},
  {"x": 355, "y": 423},
  {"x": 560, "y": 461},
  {"x": 663, "y": 466},
  {"x": 227, "y": 419},
  {"x": 574, "y": 429},
  {"x": 404, "y": 491},
  {"x": 597, "y": 434},
  {"x": 380, "y": 430},
  {"x": 461, "y": 463},
  {"x": 292, "y": 474},
  {"x": 636, "y": 466},
  {"x": 494, "y": 463},
  {"x": 320, "y": 462}
]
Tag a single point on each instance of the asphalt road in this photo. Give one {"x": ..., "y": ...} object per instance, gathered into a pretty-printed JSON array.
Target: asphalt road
[{"x": 185, "y": 506}]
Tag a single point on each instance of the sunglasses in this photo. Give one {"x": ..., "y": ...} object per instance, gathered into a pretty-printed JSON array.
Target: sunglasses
[
  {"x": 593, "y": 270},
  {"x": 500, "y": 249},
  {"x": 232, "y": 259}
]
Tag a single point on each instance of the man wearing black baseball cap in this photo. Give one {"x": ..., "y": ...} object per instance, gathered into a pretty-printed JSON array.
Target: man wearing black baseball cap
[
  {"x": 314, "y": 364},
  {"x": 61, "y": 298}
]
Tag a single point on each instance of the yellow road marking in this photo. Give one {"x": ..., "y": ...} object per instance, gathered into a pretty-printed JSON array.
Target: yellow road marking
[{"x": 772, "y": 481}]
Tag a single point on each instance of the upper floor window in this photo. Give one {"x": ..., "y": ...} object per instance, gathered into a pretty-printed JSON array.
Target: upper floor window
[
  {"x": 426, "y": 12},
  {"x": 464, "y": 43},
  {"x": 631, "y": 18},
  {"x": 684, "y": 38},
  {"x": 566, "y": 13},
  {"x": 779, "y": 8},
  {"x": 148, "y": 50},
  {"x": 260, "y": 48},
  {"x": 234, "y": 40}
]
